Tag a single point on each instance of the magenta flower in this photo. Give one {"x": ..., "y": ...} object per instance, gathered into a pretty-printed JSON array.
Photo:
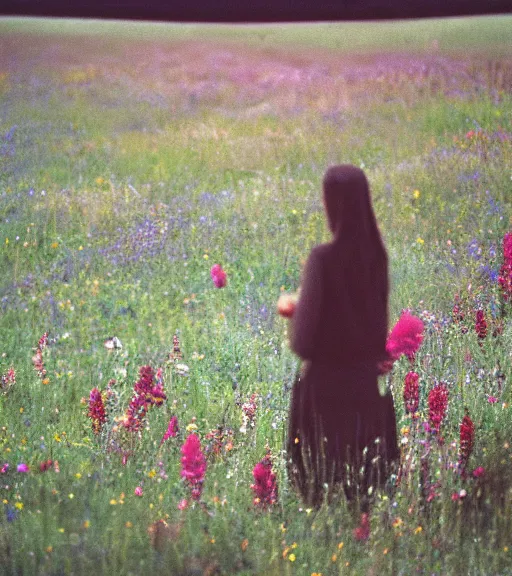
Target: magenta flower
[
  {"x": 4, "y": 468},
  {"x": 172, "y": 430},
  {"x": 23, "y": 468},
  {"x": 138, "y": 491},
  {"x": 492, "y": 399},
  {"x": 193, "y": 465},
  {"x": 265, "y": 483},
  {"x": 479, "y": 472},
  {"x": 218, "y": 275},
  {"x": 406, "y": 336}
]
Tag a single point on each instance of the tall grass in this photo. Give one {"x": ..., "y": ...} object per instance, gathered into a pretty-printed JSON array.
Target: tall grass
[{"x": 135, "y": 156}]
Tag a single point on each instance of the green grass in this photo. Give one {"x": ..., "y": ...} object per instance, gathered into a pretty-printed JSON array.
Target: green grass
[{"x": 133, "y": 157}]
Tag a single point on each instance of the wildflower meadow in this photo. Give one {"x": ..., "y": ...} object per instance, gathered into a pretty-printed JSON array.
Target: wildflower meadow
[{"x": 160, "y": 189}]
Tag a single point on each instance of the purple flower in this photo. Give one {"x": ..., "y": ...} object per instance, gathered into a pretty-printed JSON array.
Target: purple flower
[{"x": 22, "y": 468}]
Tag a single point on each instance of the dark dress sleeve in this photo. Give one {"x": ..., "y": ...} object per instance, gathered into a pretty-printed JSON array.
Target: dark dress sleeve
[{"x": 306, "y": 318}]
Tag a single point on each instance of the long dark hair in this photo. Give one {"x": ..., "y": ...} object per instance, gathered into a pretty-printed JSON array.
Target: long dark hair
[{"x": 358, "y": 248}]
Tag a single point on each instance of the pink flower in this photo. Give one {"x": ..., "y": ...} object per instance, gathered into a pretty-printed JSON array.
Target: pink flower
[
  {"x": 218, "y": 275},
  {"x": 406, "y": 336},
  {"x": 22, "y": 468},
  {"x": 265, "y": 483},
  {"x": 4, "y": 468},
  {"x": 172, "y": 430},
  {"x": 182, "y": 504},
  {"x": 507, "y": 247},
  {"x": 193, "y": 465},
  {"x": 479, "y": 472},
  {"x": 138, "y": 491},
  {"x": 437, "y": 404},
  {"x": 492, "y": 399}
]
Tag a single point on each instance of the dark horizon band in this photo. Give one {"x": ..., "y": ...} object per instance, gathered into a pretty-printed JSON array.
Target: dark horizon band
[{"x": 256, "y": 11}]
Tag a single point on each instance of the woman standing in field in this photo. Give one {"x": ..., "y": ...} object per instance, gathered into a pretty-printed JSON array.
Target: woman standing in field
[{"x": 342, "y": 432}]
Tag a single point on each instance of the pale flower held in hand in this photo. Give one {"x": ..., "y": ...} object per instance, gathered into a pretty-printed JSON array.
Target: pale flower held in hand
[{"x": 286, "y": 305}]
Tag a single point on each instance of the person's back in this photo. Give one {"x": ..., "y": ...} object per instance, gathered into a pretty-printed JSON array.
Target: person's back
[{"x": 339, "y": 327}]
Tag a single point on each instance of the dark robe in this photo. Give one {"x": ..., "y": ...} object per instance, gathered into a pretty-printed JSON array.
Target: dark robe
[{"x": 342, "y": 432}]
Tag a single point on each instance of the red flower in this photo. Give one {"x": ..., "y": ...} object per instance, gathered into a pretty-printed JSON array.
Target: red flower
[
  {"x": 146, "y": 393},
  {"x": 437, "y": 404},
  {"x": 406, "y": 336},
  {"x": 172, "y": 430},
  {"x": 467, "y": 438},
  {"x": 265, "y": 483},
  {"x": 362, "y": 532},
  {"x": 193, "y": 465},
  {"x": 457, "y": 313},
  {"x": 218, "y": 275},
  {"x": 480, "y": 325},
  {"x": 45, "y": 465},
  {"x": 43, "y": 341},
  {"x": 8, "y": 379},
  {"x": 96, "y": 410},
  {"x": 411, "y": 392}
]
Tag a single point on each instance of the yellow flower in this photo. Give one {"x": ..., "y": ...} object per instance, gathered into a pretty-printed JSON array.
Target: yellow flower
[
  {"x": 334, "y": 558},
  {"x": 61, "y": 530},
  {"x": 55, "y": 244},
  {"x": 420, "y": 240},
  {"x": 113, "y": 502},
  {"x": 292, "y": 557},
  {"x": 416, "y": 194},
  {"x": 152, "y": 473},
  {"x": 128, "y": 524},
  {"x": 340, "y": 545},
  {"x": 19, "y": 505},
  {"x": 71, "y": 496},
  {"x": 46, "y": 381},
  {"x": 78, "y": 475},
  {"x": 5, "y": 501},
  {"x": 49, "y": 549},
  {"x": 191, "y": 427},
  {"x": 22, "y": 410},
  {"x": 418, "y": 530},
  {"x": 86, "y": 524},
  {"x": 99, "y": 180},
  {"x": 505, "y": 548},
  {"x": 56, "y": 437}
]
